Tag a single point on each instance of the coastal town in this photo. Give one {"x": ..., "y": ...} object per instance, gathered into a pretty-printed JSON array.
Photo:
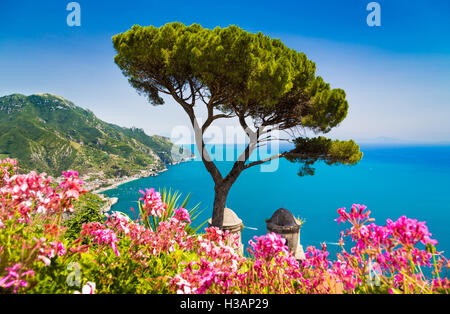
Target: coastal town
[{"x": 97, "y": 185}]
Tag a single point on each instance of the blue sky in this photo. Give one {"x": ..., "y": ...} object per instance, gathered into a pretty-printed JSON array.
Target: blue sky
[{"x": 396, "y": 76}]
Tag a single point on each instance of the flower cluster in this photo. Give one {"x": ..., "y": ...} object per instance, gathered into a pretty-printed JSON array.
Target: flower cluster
[
  {"x": 101, "y": 235},
  {"x": 268, "y": 246},
  {"x": 160, "y": 253},
  {"x": 32, "y": 193},
  {"x": 8, "y": 167},
  {"x": 30, "y": 217},
  {"x": 182, "y": 214},
  {"x": 153, "y": 205},
  {"x": 390, "y": 249},
  {"x": 409, "y": 232},
  {"x": 356, "y": 216},
  {"x": 16, "y": 277},
  {"x": 217, "y": 268},
  {"x": 71, "y": 186}
]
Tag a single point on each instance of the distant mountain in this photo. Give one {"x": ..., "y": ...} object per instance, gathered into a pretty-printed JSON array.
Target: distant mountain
[{"x": 49, "y": 133}]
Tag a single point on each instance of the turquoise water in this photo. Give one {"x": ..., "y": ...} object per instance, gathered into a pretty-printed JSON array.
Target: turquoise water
[{"x": 391, "y": 180}]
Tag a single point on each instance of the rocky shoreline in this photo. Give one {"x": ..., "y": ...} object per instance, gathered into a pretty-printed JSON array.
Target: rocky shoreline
[
  {"x": 99, "y": 186},
  {"x": 109, "y": 202}
]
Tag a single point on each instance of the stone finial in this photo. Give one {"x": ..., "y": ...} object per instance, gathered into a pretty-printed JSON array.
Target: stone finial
[{"x": 286, "y": 225}]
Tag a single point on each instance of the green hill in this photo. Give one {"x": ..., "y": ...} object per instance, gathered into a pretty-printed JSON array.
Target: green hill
[{"x": 50, "y": 134}]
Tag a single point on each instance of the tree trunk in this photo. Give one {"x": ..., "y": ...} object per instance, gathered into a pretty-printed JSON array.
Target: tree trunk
[{"x": 220, "y": 199}]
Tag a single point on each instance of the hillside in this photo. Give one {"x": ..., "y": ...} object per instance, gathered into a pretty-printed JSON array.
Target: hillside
[{"x": 50, "y": 134}]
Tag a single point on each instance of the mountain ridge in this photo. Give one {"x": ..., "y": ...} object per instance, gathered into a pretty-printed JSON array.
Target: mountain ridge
[{"x": 51, "y": 134}]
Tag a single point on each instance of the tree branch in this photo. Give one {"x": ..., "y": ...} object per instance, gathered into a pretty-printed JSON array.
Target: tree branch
[
  {"x": 255, "y": 163},
  {"x": 212, "y": 118}
]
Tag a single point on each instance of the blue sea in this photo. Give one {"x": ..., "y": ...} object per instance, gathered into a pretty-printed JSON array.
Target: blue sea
[{"x": 390, "y": 180}]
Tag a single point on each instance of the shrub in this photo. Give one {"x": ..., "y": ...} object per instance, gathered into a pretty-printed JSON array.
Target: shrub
[{"x": 86, "y": 209}]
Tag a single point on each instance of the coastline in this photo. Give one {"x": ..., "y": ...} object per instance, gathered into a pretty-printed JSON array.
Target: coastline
[
  {"x": 110, "y": 201},
  {"x": 113, "y": 183},
  {"x": 97, "y": 186}
]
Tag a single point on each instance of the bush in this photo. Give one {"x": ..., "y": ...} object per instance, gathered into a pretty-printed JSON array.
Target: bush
[{"x": 86, "y": 209}]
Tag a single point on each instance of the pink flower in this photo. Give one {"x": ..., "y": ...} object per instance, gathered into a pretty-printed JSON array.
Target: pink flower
[
  {"x": 101, "y": 235},
  {"x": 119, "y": 222},
  {"x": 268, "y": 246},
  {"x": 45, "y": 260},
  {"x": 182, "y": 214},
  {"x": 71, "y": 186},
  {"x": 15, "y": 277},
  {"x": 153, "y": 205},
  {"x": 357, "y": 216},
  {"x": 410, "y": 231}
]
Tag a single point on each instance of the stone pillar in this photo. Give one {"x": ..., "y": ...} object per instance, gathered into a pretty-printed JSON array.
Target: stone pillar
[
  {"x": 286, "y": 225},
  {"x": 233, "y": 224}
]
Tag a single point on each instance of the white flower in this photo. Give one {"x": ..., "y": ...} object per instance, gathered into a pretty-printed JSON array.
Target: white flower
[
  {"x": 88, "y": 288},
  {"x": 46, "y": 260},
  {"x": 41, "y": 210}
]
